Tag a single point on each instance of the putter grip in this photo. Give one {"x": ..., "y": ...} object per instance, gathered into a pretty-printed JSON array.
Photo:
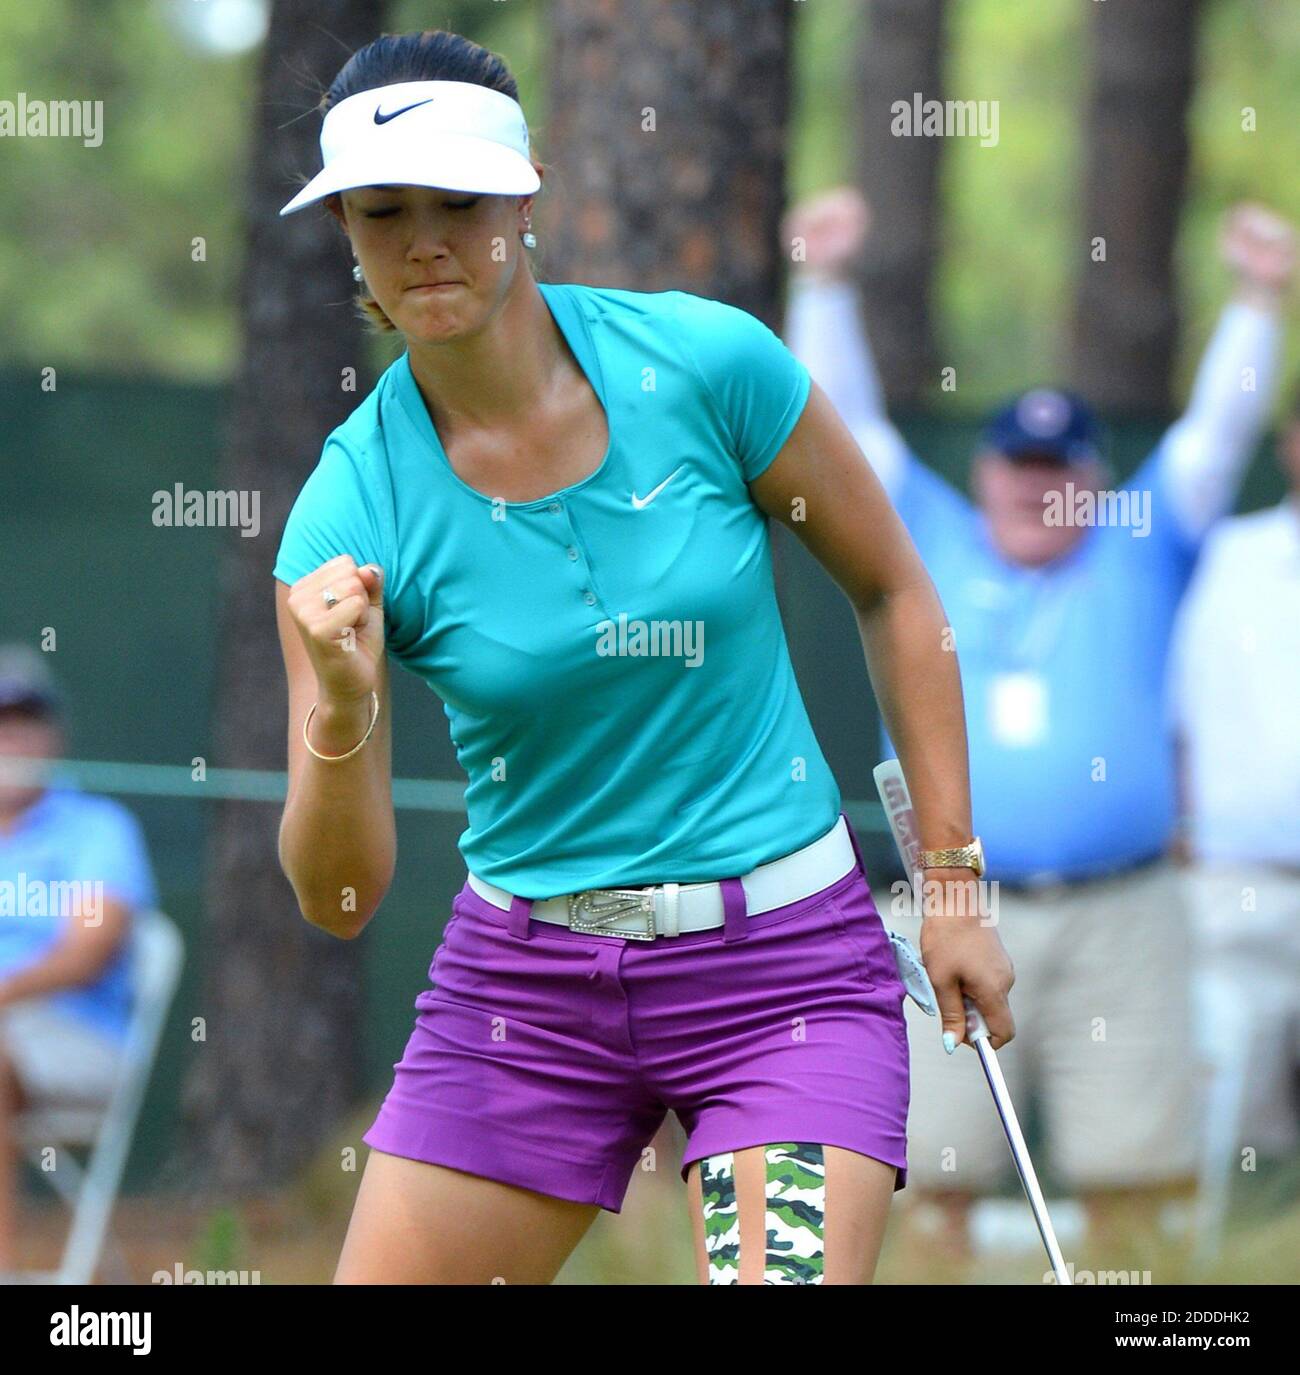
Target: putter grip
[
  {"x": 897, "y": 804},
  {"x": 976, "y": 1026}
]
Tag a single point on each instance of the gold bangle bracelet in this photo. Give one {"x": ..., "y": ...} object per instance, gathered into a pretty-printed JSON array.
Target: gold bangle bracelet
[{"x": 334, "y": 758}]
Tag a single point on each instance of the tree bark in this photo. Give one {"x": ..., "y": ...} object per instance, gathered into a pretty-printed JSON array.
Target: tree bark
[
  {"x": 901, "y": 54},
  {"x": 279, "y": 1064},
  {"x": 665, "y": 148},
  {"x": 1125, "y": 326}
]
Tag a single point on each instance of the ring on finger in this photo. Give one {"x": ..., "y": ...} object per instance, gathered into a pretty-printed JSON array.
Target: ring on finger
[{"x": 331, "y": 601}]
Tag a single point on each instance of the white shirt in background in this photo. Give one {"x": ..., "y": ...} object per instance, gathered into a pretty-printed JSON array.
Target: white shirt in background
[{"x": 1235, "y": 689}]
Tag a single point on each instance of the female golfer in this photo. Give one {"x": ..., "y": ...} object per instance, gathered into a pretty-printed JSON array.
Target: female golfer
[{"x": 552, "y": 508}]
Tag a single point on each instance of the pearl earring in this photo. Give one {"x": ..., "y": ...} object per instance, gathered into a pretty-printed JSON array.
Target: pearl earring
[{"x": 357, "y": 274}]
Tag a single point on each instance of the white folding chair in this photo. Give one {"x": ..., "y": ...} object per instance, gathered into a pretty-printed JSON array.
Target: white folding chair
[{"x": 90, "y": 1191}]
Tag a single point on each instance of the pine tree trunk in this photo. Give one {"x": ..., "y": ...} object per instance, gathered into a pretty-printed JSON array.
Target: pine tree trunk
[
  {"x": 901, "y": 54},
  {"x": 282, "y": 1006},
  {"x": 666, "y": 147},
  {"x": 1125, "y": 326}
]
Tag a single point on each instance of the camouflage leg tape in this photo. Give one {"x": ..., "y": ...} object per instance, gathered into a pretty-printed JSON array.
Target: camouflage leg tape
[
  {"x": 795, "y": 1214},
  {"x": 721, "y": 1222}
]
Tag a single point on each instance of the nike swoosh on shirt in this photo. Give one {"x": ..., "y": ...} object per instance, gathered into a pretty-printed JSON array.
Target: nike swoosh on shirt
[
  {"x": 639, "y": 502},
  {"x": 383, "y": 119}
]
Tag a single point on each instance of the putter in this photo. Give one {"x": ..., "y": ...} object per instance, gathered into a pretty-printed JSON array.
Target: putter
[{"x": 897, "y": 801}]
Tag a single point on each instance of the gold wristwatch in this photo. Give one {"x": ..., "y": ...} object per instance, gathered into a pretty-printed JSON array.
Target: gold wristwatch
[{"x": 959, "y": 857}]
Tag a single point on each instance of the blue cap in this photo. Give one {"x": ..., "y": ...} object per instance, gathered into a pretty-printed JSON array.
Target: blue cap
[
  {"x": 26, "y": 683},
  {"x": 1045, "y": 421}
]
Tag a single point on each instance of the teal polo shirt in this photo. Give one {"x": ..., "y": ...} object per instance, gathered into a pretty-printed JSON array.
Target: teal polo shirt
[{"x": 611, "y": 657}]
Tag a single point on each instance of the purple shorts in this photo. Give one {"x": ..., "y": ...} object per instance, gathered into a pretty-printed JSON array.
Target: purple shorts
[{"x": 548, "y": 1059}]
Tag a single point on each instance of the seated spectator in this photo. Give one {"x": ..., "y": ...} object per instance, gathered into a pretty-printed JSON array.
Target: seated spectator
[{"x": 73, "y": 868}]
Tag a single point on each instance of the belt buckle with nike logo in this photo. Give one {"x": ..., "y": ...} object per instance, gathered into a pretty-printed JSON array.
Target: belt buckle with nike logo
[{"x": 604, "y": 906}]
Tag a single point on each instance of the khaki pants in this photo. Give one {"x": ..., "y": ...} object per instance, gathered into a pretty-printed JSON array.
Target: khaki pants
[
  {"x": 1246, "y": 981},
  {"x": 56, "y": 1056},
  {"x": 1103, "y": 1038}
]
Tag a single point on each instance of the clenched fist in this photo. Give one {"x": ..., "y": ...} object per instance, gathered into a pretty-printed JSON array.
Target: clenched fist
[
  {"x": 831, "y": 226},
  {"x": 345, "y": 642},
  {"x": 1260, "y": 246}
]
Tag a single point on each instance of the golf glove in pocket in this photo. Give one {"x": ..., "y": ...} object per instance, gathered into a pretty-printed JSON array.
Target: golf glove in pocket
[{"x": 912, "y": 972}]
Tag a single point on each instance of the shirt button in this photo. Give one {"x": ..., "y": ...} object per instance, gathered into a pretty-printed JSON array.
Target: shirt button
[
  {"x": 589, "y": 598},
  {"x": 571, "y": 552},
  {"x": 554, "y": 508}
]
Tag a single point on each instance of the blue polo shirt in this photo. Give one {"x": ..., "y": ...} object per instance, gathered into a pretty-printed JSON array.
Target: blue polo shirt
[
  {"x": 1063, "y": 672},
  {"x": 611, "y": 657},
  {"x": 64, "y": 836}
]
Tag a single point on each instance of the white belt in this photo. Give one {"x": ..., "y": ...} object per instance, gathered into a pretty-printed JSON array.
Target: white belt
[{"x": 667, "y": 909}]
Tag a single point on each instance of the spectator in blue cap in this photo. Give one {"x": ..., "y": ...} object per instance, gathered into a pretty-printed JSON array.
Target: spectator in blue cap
[
  {"x": 73, "y": 868},
  {"x": 1061, "y": 596}
]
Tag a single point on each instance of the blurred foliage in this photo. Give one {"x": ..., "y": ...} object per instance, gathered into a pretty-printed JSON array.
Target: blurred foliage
[
  {"x": 1012, "y": 242},
  {"x": 95, "y": 243},
  {"x": 221, "y": 1244}
]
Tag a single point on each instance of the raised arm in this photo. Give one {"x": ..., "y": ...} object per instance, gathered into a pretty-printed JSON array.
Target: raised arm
[
  {"x": 338, "y": 835},
  {"x": 824, "y": 329},
  {"x": 1205, "y": 452}
]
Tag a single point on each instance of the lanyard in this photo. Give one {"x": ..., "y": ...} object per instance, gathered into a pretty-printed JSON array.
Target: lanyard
[
  {"x": 1049, "y": 604},
  {"x": 1038, "y": 604}
]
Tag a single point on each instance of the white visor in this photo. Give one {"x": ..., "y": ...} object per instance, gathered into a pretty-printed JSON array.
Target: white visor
[{"x": 453, "y": 135}]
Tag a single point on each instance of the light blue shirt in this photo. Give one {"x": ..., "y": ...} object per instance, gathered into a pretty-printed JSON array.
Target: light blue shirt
[
  {"x": 1063, "y": 673},
  {"x": 611, "y": 657},
  {"x": 69, "y": 836},
  {"x": 1063, "y": 666}
]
